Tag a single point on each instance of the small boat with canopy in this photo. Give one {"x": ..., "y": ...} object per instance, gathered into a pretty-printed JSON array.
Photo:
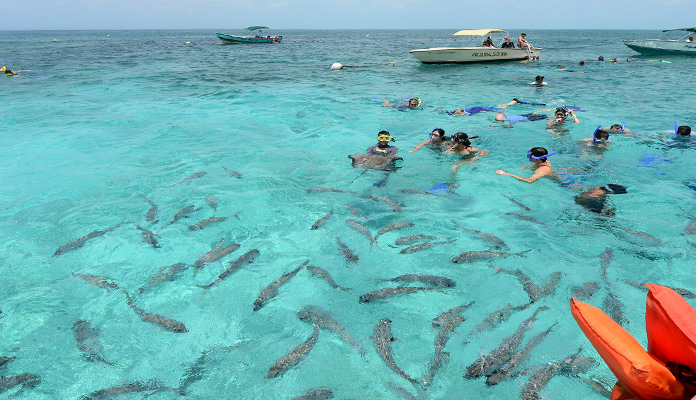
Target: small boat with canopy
[
  {"x": 258, "y": 38},
  {"x": 473, "y": 51},
  {"x": 667, "y": 44}
]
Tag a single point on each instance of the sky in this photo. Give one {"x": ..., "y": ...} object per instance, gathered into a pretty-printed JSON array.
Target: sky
[{"x": 345, "y": 14}]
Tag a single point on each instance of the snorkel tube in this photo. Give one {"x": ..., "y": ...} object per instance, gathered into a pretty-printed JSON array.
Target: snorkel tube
[
  {"x": 676, "y": 129},
  {"x": 530, "y": 158},
  {"x": 594, "y": 136}
]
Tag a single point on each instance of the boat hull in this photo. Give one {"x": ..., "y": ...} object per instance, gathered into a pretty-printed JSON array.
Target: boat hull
[
  {"x": 658, "y": 46},
  {"x": 466, "y": 55},
  {"x": 233, "y": 39}
]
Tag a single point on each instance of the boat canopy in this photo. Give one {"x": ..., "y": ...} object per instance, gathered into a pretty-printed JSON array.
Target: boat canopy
[
  {"x": 253, "y": 28},
  {"x": 478, "y": 32},
  {"x": 681, "y": 29}
]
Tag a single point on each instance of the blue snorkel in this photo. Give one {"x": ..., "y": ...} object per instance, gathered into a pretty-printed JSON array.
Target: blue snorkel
[
  {"x": 530, "y": 158},
  {"x": 623, "y": 126},
  {"x": 594, "y": 136},
  {"x": 676, "y": 130}
]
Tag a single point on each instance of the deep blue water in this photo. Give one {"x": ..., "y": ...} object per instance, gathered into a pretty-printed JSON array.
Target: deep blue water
[{"x": 98, "y": 121}]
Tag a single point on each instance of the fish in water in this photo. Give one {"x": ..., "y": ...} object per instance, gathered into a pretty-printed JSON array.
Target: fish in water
[
  {"x": 135, "y": 387},
  {"x": 440, "y": 319},
  {"x": 413, "y": 191},
  {"x": 402, "y": 241},
  {"x": 103, "y": 282},
  {"x": 320, "y": 222},
  {"x": 326, "y": 189},
  {"x": 534, "y": 291},
  {"x": 320, "y": 317},
  {"x": 597, "y": 386},
  {"x": 181, "y": 214},
  {"x": 383, "y": 340},
  {"x": 584, "y": 291},
  {"x": 194, "y": 176},
  {"x": 390, "y": 292},
  {"x": 422, "y": 246},
  {"x": 496, "y": 318},
  {"x": 389, "y": 202},
  {"x": 490, "y": 362},
  {"x": 606, "y": 257},
  {"x": 292, "y": 358},
  {"x": 474, "y": 256},
  {"x": 148, "y": 237},
  {"x": 525, "y": 217},
  {"x": 614, "y": 308},
  {"x": 247, "y": 258},
  {"x": 271, "y": 290},
  {"x": 152, "y": 212},
  {"x": 233, "y": 173},
  {"x": 324, "y": 274},
  {"x": 360, "y": 228},
  {"x": 212, "y": 202},
  {"x": 431, "y": 280},
  {"x": 163, "y": 275},
  {"x": 205, "y": 260},
  {"x": 88, "y": 342},
  {"x": 440, "y": 341},
  {"x": 77, "y": 243},
  {"x": 518, "y": 203},
  {"x": 316, "y": 394},
  {"x": 501, "y": 373},
  {"x": 202, "y": 224},
  {"x": 26, "y": 380},
  {"x": 394, "y": 226},
  {"x": 532, "y": 389},
  {"x": 166, "y": 323},
  {"x": 644, "y": 235},
  {"x": 497, "y": 242},
  {"x": 348, "y": 253},
  {"x": 355, "y": 211},
  {"x": 6, "y": 360}
]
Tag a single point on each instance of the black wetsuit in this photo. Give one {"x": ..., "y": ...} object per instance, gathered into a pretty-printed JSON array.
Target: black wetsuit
[{"x": 382, "y": 151}]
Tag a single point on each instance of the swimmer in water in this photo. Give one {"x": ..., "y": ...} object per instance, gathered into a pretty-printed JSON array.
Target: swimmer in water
[
  {"x": 8, "y": 72},
  {"x": 476, "y": 110},
  {"x": 617, "y": 129},
  {"x": 540, "y": 165},
  {"x": 600, "y": 138},
  {"x": 413, "y": 104},
  {"x": 538, "y": 81},
  {"x": 595, "y": 199},
  {"x": 462, "y": 145},
  {"x": 562, "y": 68},
  {"x": 437, "y": 139},
  {"x": 560, "y": 115},
  {"x": 682, "y": 132},
  {"x": 383, "y": 148}
]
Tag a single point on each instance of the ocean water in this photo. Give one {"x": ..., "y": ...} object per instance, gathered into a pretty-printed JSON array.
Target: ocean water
[{"x": 100, "y": 121}]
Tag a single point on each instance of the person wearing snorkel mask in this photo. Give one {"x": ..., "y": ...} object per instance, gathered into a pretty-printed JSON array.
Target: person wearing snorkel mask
[
  {"x": 413, "y": 104},
  {"x": 460, "y": 144},
  {"x": 540, "y": 165},
  {"x": 560, "y": 116},
  {"x": 600, "y": 138},
  {"x": 437, "y": 139},
  {"x": 383, "y": 148}
]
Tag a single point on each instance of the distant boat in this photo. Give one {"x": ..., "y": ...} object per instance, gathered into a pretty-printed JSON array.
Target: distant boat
[
  {"x": 471, "y": 53},
  {"x": 665, "y": 45},
  {"x": 234, "y": 39}
]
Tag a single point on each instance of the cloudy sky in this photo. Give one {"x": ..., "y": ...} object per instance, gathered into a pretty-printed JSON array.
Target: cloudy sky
[{"x": 346, "y": 14}]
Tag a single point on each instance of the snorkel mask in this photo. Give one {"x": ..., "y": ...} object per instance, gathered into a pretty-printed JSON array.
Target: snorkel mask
[
  {"x": 532, "y": 158},
  {"x": 385, "y": 139},
  {"x": 435, "y": 135},
  {"x": 594, "y": 136},
  {"x": 417, "y": 103}
]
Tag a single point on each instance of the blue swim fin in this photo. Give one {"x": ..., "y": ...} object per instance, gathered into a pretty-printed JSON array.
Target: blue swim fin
[{"x": 442, "y": 188}]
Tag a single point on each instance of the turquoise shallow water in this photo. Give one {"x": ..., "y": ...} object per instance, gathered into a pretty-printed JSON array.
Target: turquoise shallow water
[{"x": 96, "y": 123}]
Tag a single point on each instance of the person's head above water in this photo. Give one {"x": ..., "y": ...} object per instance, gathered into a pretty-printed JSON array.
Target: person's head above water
[
  {"x": 600, "y": 136},
  {"x": 561, "y": 114},
  {"x": 414, "y": 102},
  {"x": 539, "y": 79},
  {"x": 539, "y": 154},
  {"x": 437, "y": 134},
  {"x": 458, "y": 111},
  {"x": 384, "y": 137},
  {"x": 500, "y": 117},
  {"x": 581, "y": 62},
  {"x": 684, "y": 130},
  {"x": 616, "y": 127},
  {"x": 601, "y": 58},
  {"x": 461, "y": 137}
]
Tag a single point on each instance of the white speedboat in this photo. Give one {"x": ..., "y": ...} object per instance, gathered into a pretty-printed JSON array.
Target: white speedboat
[
  {"x": 684, "y": 44},
  {"x": 471, "y": 53}
]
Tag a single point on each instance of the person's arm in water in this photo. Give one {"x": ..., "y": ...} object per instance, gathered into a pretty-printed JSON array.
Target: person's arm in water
[
  {"x": 538, "y": 174},
  {"x": 415, "y": 149}
]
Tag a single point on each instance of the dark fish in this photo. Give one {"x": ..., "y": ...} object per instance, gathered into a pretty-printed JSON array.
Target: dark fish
[
  {"x": 202, "y": 224},
  {"x": 390, "y": 292},
  {"x": 316, "y": 394},
  {"x": 272, "y": 290},
  {"x": 412, "y": 239},
  {"x": 525, "y": 217},
  {"x": 607, "y": 256},
  {"x": 180, "y": 214},
  {"x": 152, "y": 212},
  {"x": 216, "y": 256},
  {"x": 422, "y": 246},
  {"x": 389, "y": 202},
  {"x": 598, "y": 387},
  {"x": 360, "y": 228},
  {"x": 205, "y": 260},
  {"x": 6, "y": 360},
  {"x": 249, "y": 258},
  {"x": 440, "y": 341},
  {"x": 233, "y": 173},
  {"x": 497, "y": 242},
  {"x": 496, "y": 318},
  {"x": 532, "y": 389},
  {"x": 292, "y": 358},
  {"x": 440, "y": 319},
  {"x": 326, "y": 189},
  {"x": 194, "y": 176},
  {"x": 518, "y": 203},
  {"x": 394, "y": 226},
  {"x": 26, "y": 380},
  {"x": 166, "y": 323},
  {"x": 321, "y": 318},
  {"x": 77, "y": 243},
  {"x": 212, "y": 202},
  {"x": 355, "y": 211},
  {"x": 516, "y": 359},
  {"x": 148, "y": 237},
  {"x": 490, "y": 362},
  {"x": 474, "y": 256},
  {"x": 579, "y": 365},
  {"x": 431, "y": 280},
  {"x": 322, "y": 221},
  {"x": 584, "y": 291},
  {"x": 348, "y": 253},
  {"x": 644, "y": 235},
  {"x": 614, "y": 308},
  {"x": 383, "y": 339},
  {"x": 163, "y": 275},
  {"x": 324, "y": 274},
  {"x": 413, "y": 191},
  {"x": 135, "y": 387},
  {"x": 194, "y": 372},
  {"x": 88, "y": 342},
  {"x": 101, "y": 281},
  {"x": 534, "y": 291},
  {"x": 682, "y": 292}
]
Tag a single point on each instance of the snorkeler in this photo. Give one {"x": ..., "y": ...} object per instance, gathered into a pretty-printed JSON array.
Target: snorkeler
[
  {"x": 540, "y": 165},
  {"x": 462, "y": 145},
  {"x": 600, "y": 138},
  {"x": 560, "y": 116},
  {"x": 437, "y": 139},
  {"x": 538, "y": 81},
  {"x": 383, "y": 148},
  {"x": 617, "y": 129},
  {"x": 512, "y": 119},
  {"x": 680, "y": 132},
  {"x": 8, "y": 72},
  {"x": 595, "y": 199},
  {"x": 413, "y": 104},
  {"x": 562, "y": 68}
]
